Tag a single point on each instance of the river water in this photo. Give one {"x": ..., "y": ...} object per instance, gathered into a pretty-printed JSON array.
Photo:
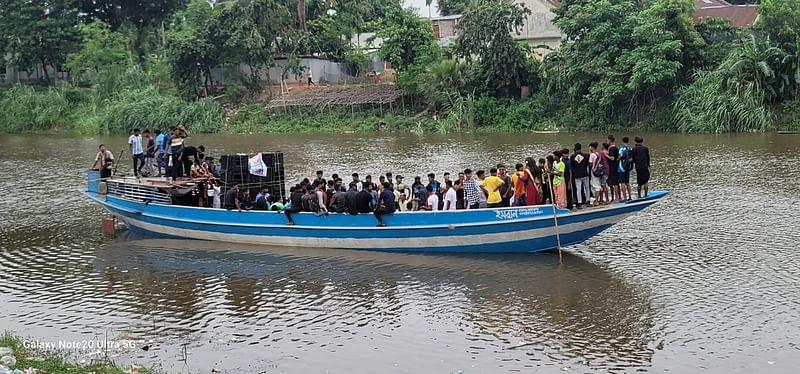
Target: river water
[{"x": 705, "y": 281}]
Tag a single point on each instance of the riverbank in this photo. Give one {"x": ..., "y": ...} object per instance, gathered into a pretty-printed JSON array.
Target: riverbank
[
  {"x": 32, "y": 360},
  {"x": 71, "y": 109}
]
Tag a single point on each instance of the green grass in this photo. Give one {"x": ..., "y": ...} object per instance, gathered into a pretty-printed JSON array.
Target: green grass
[{"x": 54, "y": 362}]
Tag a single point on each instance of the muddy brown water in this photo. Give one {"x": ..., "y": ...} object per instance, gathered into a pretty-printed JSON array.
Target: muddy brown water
[{"x": 706, "y": 281}]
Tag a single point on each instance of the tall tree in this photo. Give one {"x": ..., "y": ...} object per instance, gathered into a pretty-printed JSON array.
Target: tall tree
[
  {"x": 100, "y": 48},
  {"x": 406, "y": 37},
  {"x": 486, "y": 32},
  {"x": 143, "y": 15},
  {"x": 623, "y": 55},
  {"x": 451, "y": 7},
  {"x": 38, "y": 32},
  {"x": 780, "y": 19}
]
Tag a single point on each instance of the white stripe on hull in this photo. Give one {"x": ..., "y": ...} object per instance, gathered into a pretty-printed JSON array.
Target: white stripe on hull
[{"x": 376, "y": 243}]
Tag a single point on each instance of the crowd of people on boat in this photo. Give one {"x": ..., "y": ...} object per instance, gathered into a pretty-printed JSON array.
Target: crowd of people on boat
[
  {"x": 569, "y": 179},
  {"x": 572, "y": 179}
]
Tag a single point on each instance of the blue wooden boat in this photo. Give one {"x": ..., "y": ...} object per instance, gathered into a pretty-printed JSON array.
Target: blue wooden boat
[{"x": 145, "y": 208}]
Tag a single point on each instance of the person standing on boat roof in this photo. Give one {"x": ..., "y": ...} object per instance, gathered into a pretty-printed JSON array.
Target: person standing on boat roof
[
  {"x": 450, "y": 197},
  {"x": 613, "y": 170},
  {"x": 471, "y": 189},
  {"x": 492, "y": 183},
  {"x": 436, "y": 186},
  {"x": 432, "y": 202},
  {"x": 232, "y": 198},
  {"x": 460, "y": 200},
  {"x": 558, "y": 172},
  {"x": 385, "y": 204},
  {"x": 507, "y": 189},
  {"x": 580, "y": 172},
  {"x": 519, "y": 186},
  {"x": 625, "y": 165},
  {"x": 137, "y": 151},
  {"x": 531, "y": 179},
  {"x": 159, "y": 152},
  {"x": 149, "y": 153},
  {"x": 641, "y": 161},
  {"x": 105, "y": 159},
  {"x": 176, "y": 152},
  {"x": 483, "y": 193}
]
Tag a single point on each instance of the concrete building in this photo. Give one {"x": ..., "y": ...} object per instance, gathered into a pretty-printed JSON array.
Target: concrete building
[{"x": 539, "y": 31}]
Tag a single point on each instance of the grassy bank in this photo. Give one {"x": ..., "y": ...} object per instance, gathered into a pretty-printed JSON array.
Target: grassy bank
[
  {"x": 56, "y": 362},
  {"x": 68, "y": 108}
]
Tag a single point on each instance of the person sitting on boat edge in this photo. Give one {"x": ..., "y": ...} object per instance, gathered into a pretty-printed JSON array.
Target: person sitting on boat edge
[
  {"x": 246, "y": 203},
  {"x": 262, "y": 199},
  {"x": 338, "y": 203},
  {"x": 351, "y": 199},
  {"x": 317, "y": 200},
  {"x": 295, "y": 203},
  {"x": 105, "y": 159},
  {"x": 275, "y": 204},
  {"x": 364, "y": 202},
  {"x": 232, "y": 198},
  {"x": 385, "y": 204}
]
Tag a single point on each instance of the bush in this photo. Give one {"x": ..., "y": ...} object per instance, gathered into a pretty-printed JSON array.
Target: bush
[
  {"x": 708, "y": 106},
  {"x": 148, "y": 109},
  {"x": 25, "y": 109}
]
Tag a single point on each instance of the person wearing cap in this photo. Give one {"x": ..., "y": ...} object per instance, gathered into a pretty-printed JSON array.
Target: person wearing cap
[{"x": 641, "y": 162}]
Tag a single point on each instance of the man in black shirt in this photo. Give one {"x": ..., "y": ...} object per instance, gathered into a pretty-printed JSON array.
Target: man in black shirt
[
  {"x": 641, "y": 162},
  {"x": 296, "y": 201},
  {"x": 351, "y": 198},
  {"x": 385, "y": 203},
  {"x": 580, "y": 172},
  {"x": 613, "y": 175},
  {"x": 364, "y": 201},
  {"x": 232, "y": 198}
]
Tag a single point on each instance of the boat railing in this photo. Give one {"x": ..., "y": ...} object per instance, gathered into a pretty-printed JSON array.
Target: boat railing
[{"x": 138, "y": 191}]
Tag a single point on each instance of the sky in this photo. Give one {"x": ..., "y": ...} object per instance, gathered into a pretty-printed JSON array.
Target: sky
[{"x": 422, "y": 9}]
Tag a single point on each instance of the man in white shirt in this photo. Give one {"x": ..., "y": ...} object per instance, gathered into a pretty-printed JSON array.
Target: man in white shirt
[
  {"x": 137, "y": 151},
  {"x": 450, "y": 197},
  {"x": 433, "y": 199}
]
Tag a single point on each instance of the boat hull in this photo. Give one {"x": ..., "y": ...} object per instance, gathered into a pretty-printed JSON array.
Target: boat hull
[{"x": 503, "y": 230}]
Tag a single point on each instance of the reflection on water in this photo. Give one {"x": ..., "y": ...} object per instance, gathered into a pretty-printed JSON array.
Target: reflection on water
[{"x": 708, "y": 279}]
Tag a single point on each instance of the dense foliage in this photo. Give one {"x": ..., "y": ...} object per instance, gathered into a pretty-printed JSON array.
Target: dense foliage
[{"x": 622, "y": 63}]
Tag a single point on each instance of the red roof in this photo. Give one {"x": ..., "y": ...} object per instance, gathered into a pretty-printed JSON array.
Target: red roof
[{"x": 740, "y": 15}]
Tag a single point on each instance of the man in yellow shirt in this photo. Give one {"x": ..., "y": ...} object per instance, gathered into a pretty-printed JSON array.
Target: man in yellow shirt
[{"x": 492, "y": 184}]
